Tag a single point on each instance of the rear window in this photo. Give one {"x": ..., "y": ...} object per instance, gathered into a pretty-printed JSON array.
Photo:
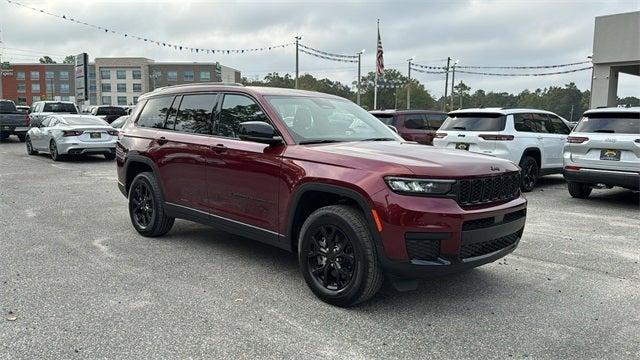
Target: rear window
[
  {"x": 612, "y": 123},
  {"x": 84, "y": 121},
  {"x": 7, "y": 106},
  {"x": 387, "y": 119},
  {"x": 474, "y": 122},
  {"x": 111, "y": 110},
  {"x": 60, "y": 108}
]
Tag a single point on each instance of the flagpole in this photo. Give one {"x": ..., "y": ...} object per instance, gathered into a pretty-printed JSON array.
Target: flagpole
[{"x": 375, "y": 85}]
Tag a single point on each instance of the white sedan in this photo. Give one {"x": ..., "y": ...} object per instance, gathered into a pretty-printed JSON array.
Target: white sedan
[{"x": 61, "y": 135}]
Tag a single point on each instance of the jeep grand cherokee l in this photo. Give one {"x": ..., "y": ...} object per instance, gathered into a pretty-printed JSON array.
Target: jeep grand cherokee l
[{"x": 319, "y": 176}]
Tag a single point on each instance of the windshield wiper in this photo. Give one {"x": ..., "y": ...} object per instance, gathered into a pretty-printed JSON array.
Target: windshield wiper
[
  {"x": 459, "y": 128},
  {"x": 379, "y": 139},
  {"x": 605, "y": 131},
  {"x": 318, "y": 141}
]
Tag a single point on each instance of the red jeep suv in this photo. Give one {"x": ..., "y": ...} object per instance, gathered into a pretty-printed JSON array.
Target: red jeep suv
[{"x": 319, "y": 176}]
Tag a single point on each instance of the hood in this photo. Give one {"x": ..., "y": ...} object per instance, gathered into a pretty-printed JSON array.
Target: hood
[{"x": 407, "y": 158}]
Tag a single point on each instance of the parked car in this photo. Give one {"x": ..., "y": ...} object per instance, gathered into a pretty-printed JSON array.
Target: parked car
[
  {"x": 12, "y": 121},
  {"x": 117, "y": 123},
  {"x": 534, "y": 139},
  {"x": 603, "y": 151},
  {"x": 352, "y": 199},
  {"x": 413, "y": 125},
  {"x": 61, "y": 135},
  {"x": 108, "y": 113},
  {"x": 41, "y": 109}
]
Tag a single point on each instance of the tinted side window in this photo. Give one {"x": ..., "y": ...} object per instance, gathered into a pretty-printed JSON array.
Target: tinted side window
[
  {"x": 536, "y": 123},
  {"x": 559, "y": 127},
  {"x": 155, "y": 112},
  {"x": 195, "y": 113},
  {"x": 415, "y": 122},
  {"x": 173, "y": 112},
  {"x": 435, "y": 121},
  {"x": 235, "y": 110}
]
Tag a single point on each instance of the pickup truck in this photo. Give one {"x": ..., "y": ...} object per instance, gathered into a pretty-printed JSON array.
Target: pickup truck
[{"x": 12, "y": 121}]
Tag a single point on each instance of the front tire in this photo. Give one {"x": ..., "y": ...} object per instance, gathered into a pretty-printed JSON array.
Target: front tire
[
  {"x": 338, "y": 257},
  {"x": 110, "y": 156},
  {"x": 579, "y": 190},
  {"x": 146, "y": 207},
  {"x": 530, "y": 172},
  {"x": 30, "y": 149}
]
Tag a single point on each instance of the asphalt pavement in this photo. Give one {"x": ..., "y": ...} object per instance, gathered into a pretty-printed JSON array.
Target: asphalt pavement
[{"x": 77, "y": 281}]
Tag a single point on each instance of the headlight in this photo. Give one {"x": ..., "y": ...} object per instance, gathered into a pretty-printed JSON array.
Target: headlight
[{"x": 419, "y": 186}]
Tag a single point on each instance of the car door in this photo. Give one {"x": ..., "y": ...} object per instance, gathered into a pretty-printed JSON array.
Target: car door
[
  {"x": 556, "y": 140},
  {"x": 38, "y": 140},
  {"x": 530, "y": 128},
  {"x": 182, "y": 146},
  {"x": 414, "y": 128},
  {"x": 243, "y": 177}
]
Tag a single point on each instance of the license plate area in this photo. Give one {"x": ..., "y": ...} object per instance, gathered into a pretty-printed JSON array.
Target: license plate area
[
  {"x": 610, "y": 154},
  {"x": 462, "y": 146},
  {"x": 95, "y": 135}
]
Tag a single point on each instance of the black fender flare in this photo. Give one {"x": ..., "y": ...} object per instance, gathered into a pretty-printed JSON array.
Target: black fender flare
[
  {"x": 135, "y": 158},
  {"x": 531, "y": 149}
]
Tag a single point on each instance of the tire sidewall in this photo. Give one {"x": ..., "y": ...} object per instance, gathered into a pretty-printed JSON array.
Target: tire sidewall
[
  {"x": 356, "y": 285},
  {"x": 524, "y": 164},
  {"x": 144, "y": 178}
]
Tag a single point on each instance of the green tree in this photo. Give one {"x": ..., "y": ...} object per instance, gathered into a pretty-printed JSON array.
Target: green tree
[
  {"x": 46, "y": 60},
  {"x": 69, "y": 60}
]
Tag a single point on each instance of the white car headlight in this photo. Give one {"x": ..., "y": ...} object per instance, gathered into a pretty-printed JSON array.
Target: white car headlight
[{"x": 419, "y": 186}]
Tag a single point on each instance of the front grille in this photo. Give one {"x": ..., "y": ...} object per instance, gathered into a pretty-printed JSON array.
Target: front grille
[
  {"x": 487, "y": 247},
  {"x": 491, "y": 221},
  {"x": 489, "y": 189},
  {"x": 423, "y": 249}
]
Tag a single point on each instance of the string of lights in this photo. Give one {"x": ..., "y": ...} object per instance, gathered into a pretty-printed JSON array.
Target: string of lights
[
  {"x": 524, "y": 67},
  {"x": 327, "y": 57},
  {"x": 529, "y": 74},
  {"x": 427, "y": 71},
  {"x": 327, "y": 53}
]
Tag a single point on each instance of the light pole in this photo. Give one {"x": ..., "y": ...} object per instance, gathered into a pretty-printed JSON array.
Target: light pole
[
  {"x": 359, "y": 76},
  {"x": 297, "y": 62},
  {"x": 446, "y": 86},
  {"x": 453, "y": 81},
  {"x": 409, "y": 82}
]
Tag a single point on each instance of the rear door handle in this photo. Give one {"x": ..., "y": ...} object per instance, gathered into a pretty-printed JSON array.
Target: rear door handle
[
  {"x": 219, "y": 148},
  {"x": 162, "y": 140}
]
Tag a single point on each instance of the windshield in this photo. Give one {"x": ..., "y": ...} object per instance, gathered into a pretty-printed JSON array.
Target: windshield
[
  {"x": 60, "y": 108},
  {"x": 84, "y": 121},
  {"x": 385, "y": 118},
  {"x": 474, "y": 122},
  {"x": 618, "y": 123},
  {"x": 319, "y": 119},
  {"x": 111, "y": 111}
]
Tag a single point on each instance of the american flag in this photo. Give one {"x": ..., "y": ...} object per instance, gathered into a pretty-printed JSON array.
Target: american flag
[{"x": 379, "y": 55}]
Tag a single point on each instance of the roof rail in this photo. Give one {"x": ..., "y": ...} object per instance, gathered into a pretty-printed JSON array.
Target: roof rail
[{"x": 199, "y": 84}]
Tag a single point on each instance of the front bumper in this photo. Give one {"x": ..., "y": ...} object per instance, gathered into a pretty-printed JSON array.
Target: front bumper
[
  {"x": 626, "y": 179},
  {"x": 433, "y": 236}
]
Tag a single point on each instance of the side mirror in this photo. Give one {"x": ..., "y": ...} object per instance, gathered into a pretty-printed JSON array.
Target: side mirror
[
  {"x": 259, "y": 131},
  {"x": 395, "y": 129}
]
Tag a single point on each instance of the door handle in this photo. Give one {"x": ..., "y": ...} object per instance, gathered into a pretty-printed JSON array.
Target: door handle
[
  {"x": 162, "y": 140},
  {"x": 219, "y": 148},
  {"x": 540, "y": 138}
]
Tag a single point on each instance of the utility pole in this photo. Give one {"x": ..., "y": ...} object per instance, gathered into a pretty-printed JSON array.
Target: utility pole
[
  {"x": 409, "y": 83},
  {"x": 297, "y": 62},
  {"x": 453, "y": 81},
  {"x": 446, "y": 86},
  {"x": 571, "y": 118},
  {"x": 359, "y": 76},
  {"x": 460, "y": 95}
]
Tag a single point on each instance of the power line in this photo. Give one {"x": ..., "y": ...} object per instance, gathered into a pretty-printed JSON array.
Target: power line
[
  {"x": 524, "y": 67},
  {"x": 515, "y": 74},
  {"x": 31, "y": 51}
]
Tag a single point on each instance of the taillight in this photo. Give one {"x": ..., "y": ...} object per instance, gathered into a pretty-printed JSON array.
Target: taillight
[
  {"x": 574, "y": 168},
  {"x": 439, "y": 135},
  {"x": 112, "y": 132},
  {"x": 576, "y": 139},
  {"x": 27, "y": 120},
  {"x": 496, "y": 137},
  {"x": 71, "y": 133}
]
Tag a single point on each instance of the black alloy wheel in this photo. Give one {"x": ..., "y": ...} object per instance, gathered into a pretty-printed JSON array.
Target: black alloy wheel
[
  {"x": 53, "y": 151},
  {"x": 146, "y": 206},
  {"x": 143, "y": 205},
  {"x": 331, "y": 259},
  {"x": 529, "y": 174}
]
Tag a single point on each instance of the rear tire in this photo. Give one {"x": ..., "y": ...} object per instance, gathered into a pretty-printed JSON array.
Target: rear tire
[
  {"x": 110, "y": 156},
  {"x": 338, "y": 257},
  {"x": 146, "y": 207},
  {"x": 22, "y": 137},
  {"x": 4, "y": 135},
  {"x": 579, "y": 190},
  {"x": 30, "y": 150},
  {"x": 53, "y": 151},
  {"x": 530, "y": 172}
]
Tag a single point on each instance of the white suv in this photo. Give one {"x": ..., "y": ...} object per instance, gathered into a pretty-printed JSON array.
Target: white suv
[
  {"x": 534, "y": 139},
  {"x": 604, "y": 150}
]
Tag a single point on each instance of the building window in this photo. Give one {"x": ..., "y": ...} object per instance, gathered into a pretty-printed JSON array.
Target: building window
[
  {"x": 172, "y": 76},
  {"x": 22, "y": 87},
  {"x": 121, "y": 74},
  {"x": 121, "y": 88},
  {"x": 20, "y": 75},
  {"x": 205, "y": 76},
  {"x": 92, "y": 74},
  {"x": 64, "y": 75},
  {"x": 35, "y": 87},
  {"x": 35, "y": 75},
  {"x": 93, "y": 100},
  {"x": 137, "y": 87},
  {"x": 64, "y": 88},
  {"x": 22, "y": 100},
  {"x": 135, "y": 100},
  {"x": 64, "y": 97},
  {"x": 49, "y": 75},
  {"x": 105, "y": 74},
  {"x": 188, "y": 76},
  {"x": 122, "y": 100},
  {"x": 106, "y": 100},
  {"x": 49, "y": 86},
  {"x": 105, "y": 87},
  {"x": 92, "y": 87},
  {"x": 35, "y": 98},
  {"x": 136, "y": 74}
]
